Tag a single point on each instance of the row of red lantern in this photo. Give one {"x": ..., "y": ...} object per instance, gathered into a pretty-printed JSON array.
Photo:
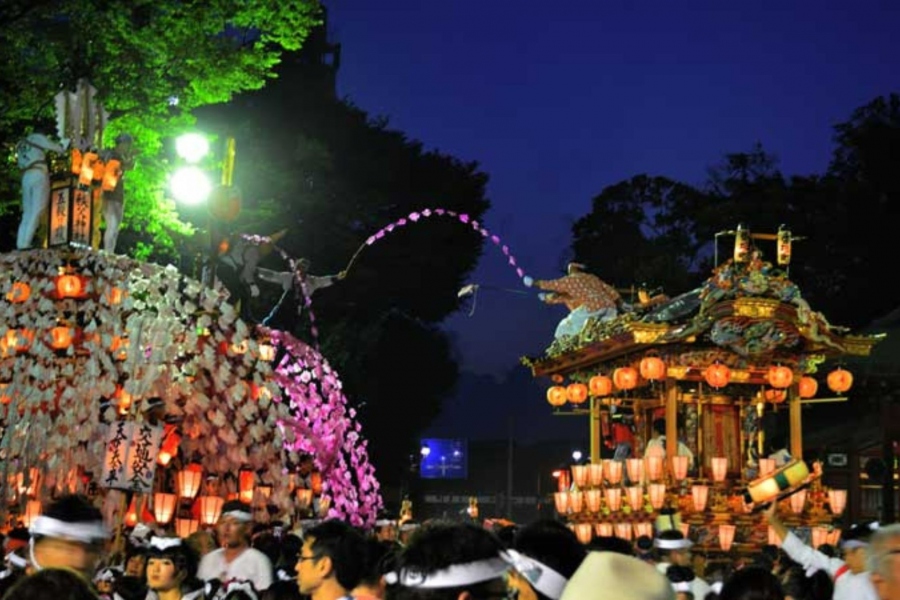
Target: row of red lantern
[
  {"x": 68, "y": 285},
  {"x": 717, "y": 375}
]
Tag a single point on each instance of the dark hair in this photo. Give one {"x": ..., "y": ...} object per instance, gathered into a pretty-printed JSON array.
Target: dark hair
[
  {"x": 236, "y": 505},
  {"x": 798, "y": 586},
  {"x": 185, "y": 559},
  {"x": 344, "y": 545},
  {"x": 130, "y": 587},
  {"x": 659, "y": 426},
  {"x": 289, "y": 552},
  {"x": 51, "y": 584},
  {"x": 603, "y": 543},
  {"x": 72, "y": 508},
  {"x": 752, "y": 583},
  {"x": 437, "y": 545},
  {"x": 677, "y": 574},
  {"x": 268, "y": 544},
  {"x": 377, "y": 554},
  {"x": 553, "y": 544}
]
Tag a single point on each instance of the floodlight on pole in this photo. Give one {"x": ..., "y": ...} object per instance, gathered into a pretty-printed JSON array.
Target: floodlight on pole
[
  {"x": 192, "y": 147},
  {"x": 190, "y": 185}
]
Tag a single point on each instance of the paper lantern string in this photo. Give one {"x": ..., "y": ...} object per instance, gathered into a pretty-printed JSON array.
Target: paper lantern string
[{"x": 463, "y": 218}]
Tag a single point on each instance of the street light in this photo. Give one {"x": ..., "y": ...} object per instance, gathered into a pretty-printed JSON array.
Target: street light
[
  {"x": 190, "y": 184},
  {"x": 576, "y": 455},
  {"x": 192, "y": 147},
  {"x": 425, "y": 451}
]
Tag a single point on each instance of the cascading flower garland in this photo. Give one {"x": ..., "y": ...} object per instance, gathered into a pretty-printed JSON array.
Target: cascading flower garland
[
  {"x": 323, "y": 426},
  {"x": 151, "y": 332}
]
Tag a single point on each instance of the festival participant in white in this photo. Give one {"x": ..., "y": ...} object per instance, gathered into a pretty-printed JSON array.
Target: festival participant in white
[
  {"x": 69, "y": 535},
  {"x": 172, "y": 570},
  {"x": 31, "y": 154},
  {"x": 236, "y": 559},
  {"x": 851, "y": 579},
  {"x": 675, "y": 549}
]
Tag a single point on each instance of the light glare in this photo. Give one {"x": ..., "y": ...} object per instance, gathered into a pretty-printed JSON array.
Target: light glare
[
  {"x": 192, "y": 147},
  {"x": 190, "y": 185}
]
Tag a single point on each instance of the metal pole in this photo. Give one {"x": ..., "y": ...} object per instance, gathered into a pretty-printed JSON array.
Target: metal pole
[{"x": 509, "y": 469}]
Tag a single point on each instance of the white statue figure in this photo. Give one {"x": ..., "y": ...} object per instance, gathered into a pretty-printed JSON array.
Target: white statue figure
[
  {"x": 114, "y": 200},
  {"x": 32, "y": 159}
]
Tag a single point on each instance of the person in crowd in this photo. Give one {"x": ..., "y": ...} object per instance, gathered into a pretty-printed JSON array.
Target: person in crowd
[
  {"x": 105, "y": 582},
  {"x": 545, "y": 554},
  {"x": 15, "y": 553},
  {"x": 673, "y": 548},
  {"x": 643, "y": 548},
  {"x": 172, "y": 570},
  {"x": 136, "y": 561},
  {"x": 681, "y": 579},
  {"x": 882, "y": 563},
  {"x": 604, "y": 543},
  {"x": 800, "y": 585},
  {"x": 202, "y": 541},
  {"x": 657, "y": 444},
  {"x": 752, "y": 583},
  {"x": 69, "y": 535},
  {"x": 608, "y": 575},
  {"x": 236, "y": 560},
  {"x": 379, "y": 558},
  {"x": 331, "y": 561},
  {"x": 448, "y": 561},
  {"x": 851, "y": 579},
  {"x": 52, "y": 584}
]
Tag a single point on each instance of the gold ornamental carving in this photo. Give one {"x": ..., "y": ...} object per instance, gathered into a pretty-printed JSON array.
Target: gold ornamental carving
[
  {"x": 756, "y": 308},
  {"x": 647, "y": 333}
]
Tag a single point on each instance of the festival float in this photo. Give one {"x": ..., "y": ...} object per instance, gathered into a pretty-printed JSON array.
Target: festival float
[
  {"x": 144, "y": 389},
  {"x": 715, "y": 363}
]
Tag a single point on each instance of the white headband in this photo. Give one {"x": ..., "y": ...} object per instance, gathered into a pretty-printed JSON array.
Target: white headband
[
  {"x": 164, "y": 543},
  {"x": 240, "y": 515},
  {"x": 16, "y": 561},
  {"x": 680, "y": 544},
  {"x": 86, "y": 532},
  {"x": 541, "y": 577},
  {"x": 853, "y": 544},
  {"x": 451, "y": 577},
  {"x": 384, "y": 523},
  {"x": 243, "y": 586},
  {"x": 682, "y": 586}
]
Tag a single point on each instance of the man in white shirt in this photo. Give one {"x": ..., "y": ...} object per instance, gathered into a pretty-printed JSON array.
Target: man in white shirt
[
  {"x": 851, "y": 579},
  {"x": 236, "y": 559},
  {"x": 657, "y": 444},
  {"x": 673, "y": 548}
]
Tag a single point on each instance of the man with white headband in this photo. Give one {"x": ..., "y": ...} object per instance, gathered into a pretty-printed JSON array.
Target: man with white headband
[
  {"x": 851, "y": 579},
  {"x": 450, "y": 561},
  {"x": 546, "y": 554},
  {"x": 69, "y": 535},
  {"x": 672, "y": 548},
  {"x": 236, "y": 559}
]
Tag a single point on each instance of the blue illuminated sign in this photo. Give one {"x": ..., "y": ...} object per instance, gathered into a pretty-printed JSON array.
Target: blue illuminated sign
[{"x": 444, "y": 459}]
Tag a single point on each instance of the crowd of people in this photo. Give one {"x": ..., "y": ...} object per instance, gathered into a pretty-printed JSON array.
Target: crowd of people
[{"x": 65, "y": 555}]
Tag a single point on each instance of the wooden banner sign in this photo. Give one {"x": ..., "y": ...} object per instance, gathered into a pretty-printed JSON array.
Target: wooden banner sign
[{"x": 130, "y": 459}]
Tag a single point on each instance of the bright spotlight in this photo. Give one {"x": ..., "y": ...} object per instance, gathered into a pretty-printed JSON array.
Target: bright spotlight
[
  {"x": 425, "y": 451},
  {"x": 192, "y": 147},
  {"x": 190, "y": 185},
  {"x": 576, "y": 455}
]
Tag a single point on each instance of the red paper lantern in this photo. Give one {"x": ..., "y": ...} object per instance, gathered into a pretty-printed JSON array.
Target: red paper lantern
[
  {"x": 717, "y": 375},
  {"x": 19, "y": 292},
  {"x": 808, "y": 387},
  {"x": 625, "y": 378},
  {"x": 776, "y": 396},
  {"x": 653, "y": 368},
  {"x": 840, "y": 380},
  {"x": 71, "y": 286},
  {"x": 61, "y": 337},
  {"x": 600, "y": 386},
  {"x": 780, "y": 377},
  {"x": 556, "y": 395},
  {"x": 577, "y": 393}
]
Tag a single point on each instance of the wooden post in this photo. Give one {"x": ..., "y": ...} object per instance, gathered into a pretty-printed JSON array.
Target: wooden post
[
  {"x": 671, "y": 397},
  {"x": 595, "y": 430},
  {"x": 796, "y": 421}
]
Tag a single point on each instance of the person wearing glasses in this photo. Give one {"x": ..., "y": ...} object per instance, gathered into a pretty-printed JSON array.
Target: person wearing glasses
[
  {"x": 450, "y": 561},
  {"x": 236, "y": 559},
  {"x": 851, "y": 579},
  {"x": 884, "y": 561},
  {"x": 331, "y": 561}
]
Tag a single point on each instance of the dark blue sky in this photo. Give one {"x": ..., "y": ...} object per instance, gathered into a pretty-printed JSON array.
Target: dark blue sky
[{"x": 558, "y": 100}]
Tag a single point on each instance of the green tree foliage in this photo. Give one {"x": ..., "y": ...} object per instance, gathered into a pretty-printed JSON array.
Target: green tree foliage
[
  {"x": 152, "y": 63},
  {"x": 642, "y": 231},
  {"x": 333, "y": 176}
]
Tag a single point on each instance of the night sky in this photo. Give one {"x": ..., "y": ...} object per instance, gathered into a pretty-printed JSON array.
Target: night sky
[{"x": 558, "y": 100}]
